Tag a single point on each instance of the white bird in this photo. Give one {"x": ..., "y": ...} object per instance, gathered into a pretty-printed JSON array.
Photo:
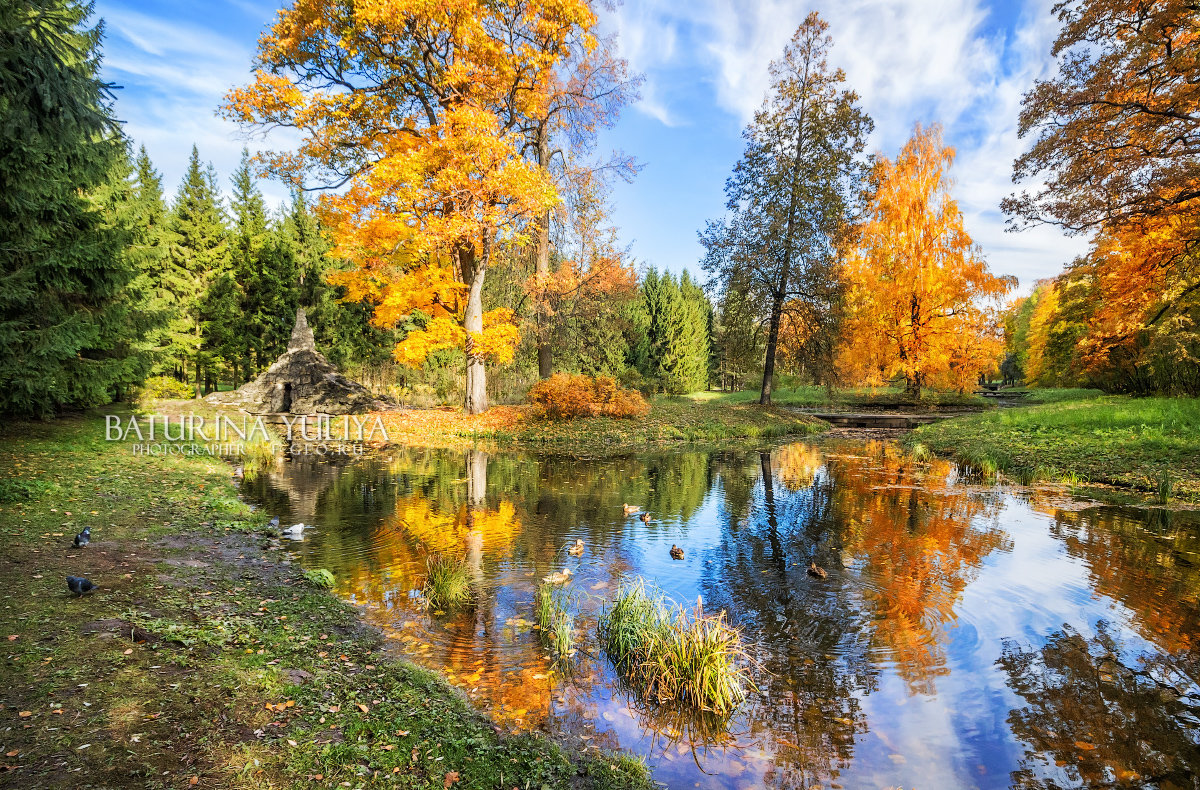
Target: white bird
[{"x": 295, "y": 531}]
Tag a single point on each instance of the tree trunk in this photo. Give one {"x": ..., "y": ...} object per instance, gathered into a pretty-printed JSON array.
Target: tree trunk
[
  {"x": 545, "y": 353},
  {"x": 764, "y": 398},
  {"x": 476, "y": 384}
]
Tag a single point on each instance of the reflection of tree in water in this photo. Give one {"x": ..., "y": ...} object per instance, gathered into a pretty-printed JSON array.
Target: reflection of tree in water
[
  {"x": 806, "y": 636},
  {"x": 1091, "y": 719},
  {"x": 1146, "y": 559},
  {"x": 912, "y": 536}
]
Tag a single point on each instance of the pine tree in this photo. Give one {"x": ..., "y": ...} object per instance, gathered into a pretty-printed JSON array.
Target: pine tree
[
  {"x": 676, "y": 347},
  {"x": 199, "y": 256},
  {"x": 62, "y": 271}
]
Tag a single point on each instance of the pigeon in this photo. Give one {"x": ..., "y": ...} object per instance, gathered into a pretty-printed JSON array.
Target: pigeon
[
  {"x": 274, "y": 523},
  {"x": 83, "y": 538},
  {"x": 79, "y": 585},
  {"x": 239, "y": 473},
  {"x": 295, "y": 531}
]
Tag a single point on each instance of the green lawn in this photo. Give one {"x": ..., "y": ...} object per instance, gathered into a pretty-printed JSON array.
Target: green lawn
[
  {"x": 1149, "y": 444},
  {"x": 671, "y": 420},
  {"x": 201, "y": 655},
  {"x": 847, "y": 399}
]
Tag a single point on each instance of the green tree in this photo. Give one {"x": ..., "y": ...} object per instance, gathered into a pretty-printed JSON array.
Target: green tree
[
  {"x": 675, "y": 351},
  {"x": 151, "y": 254},
  {"x": 791, "y": 196},
  {"x": 63, "y": 270},
  {"x": 199, "y": 256}
]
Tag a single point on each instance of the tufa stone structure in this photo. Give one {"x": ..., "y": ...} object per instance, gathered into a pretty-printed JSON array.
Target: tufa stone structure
[{"x": 302, "y": 381}]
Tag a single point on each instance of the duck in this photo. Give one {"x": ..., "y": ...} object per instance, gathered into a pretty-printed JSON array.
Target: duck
[
  {"x": 577, "y": 549},
  {"x": 83, "y": 538},
  {"x": 630, "y": 509},
  {"x": 816, "y": 571},
  {"x": 295, "y": 531},
  {"x": 79, "y": 585},
  {"x": 558, "y": 577},
  {"x": 676, "y": 552},
  {"x": 645, "y": 517}
]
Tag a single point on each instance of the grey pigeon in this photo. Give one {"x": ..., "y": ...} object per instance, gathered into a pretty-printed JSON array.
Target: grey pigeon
[
  {"x": 79, "y": 585},
  {"x": 274, "y": 523},
  {"x": 83, "y": 538}
]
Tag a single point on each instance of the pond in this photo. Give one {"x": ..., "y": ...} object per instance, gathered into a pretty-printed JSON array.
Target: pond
[{"x": 964, "y": 636}]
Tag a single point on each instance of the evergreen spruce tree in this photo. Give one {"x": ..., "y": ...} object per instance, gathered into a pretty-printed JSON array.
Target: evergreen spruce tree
[
  {"x": 63, "y": 271},
  {"x": 199, "y": 257},
  {"x": 676, "y": 347},
  {"x": 151, "y": 255}
]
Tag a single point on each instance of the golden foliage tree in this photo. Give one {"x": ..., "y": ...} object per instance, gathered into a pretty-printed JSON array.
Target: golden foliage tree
[
  {"x": 918, "y": 289},
  {"x": 415, "y": 114}
]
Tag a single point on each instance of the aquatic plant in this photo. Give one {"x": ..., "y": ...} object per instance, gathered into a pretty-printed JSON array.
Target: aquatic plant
[
  {"x": 551, "y": 608},
  {"x": 670, "y": 655},
  {"x": 447, "y": 581}
]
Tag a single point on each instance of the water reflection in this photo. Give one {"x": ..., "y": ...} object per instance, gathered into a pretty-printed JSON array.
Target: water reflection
[{"x": 930, "y": 655}]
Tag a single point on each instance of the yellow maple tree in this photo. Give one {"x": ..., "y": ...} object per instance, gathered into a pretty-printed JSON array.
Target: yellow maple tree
[
  {"x": 411, "y": 114},
  {"x": 921, "y": 300}
]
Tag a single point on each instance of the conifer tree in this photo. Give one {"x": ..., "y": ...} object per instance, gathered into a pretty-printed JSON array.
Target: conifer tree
[
  {"x": 151, "y": 255},
  {"x": 62, "y": 271},
  {"x": 199, "y": 256},
  {"x": 676, "y": 346}
]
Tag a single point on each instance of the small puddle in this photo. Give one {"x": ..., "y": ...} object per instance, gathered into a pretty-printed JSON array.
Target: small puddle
[{"x": 964, "y": 636}]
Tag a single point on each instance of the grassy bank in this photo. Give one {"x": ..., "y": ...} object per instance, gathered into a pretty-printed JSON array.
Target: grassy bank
[
  {"x": 849, "y": 399},
  {"x": 670, "y": 421},
  {"x": 202, "y": 660},
  {"x": 1148, "y": 444}
]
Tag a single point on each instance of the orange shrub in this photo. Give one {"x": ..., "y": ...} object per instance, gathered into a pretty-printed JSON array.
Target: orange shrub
[{"x": 564, "y": 397}]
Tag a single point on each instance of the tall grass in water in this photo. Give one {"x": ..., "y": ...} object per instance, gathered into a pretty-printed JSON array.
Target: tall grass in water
[
  {"x": 551, "y": 608},
  {"x": 670, "y": 655},
  {"x": 447, "y": 582}
]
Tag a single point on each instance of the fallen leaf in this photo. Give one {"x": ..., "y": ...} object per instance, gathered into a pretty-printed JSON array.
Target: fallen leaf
[
  {"x": 1087, "y": 747},
  {"x": 451, "y": 778},
  {"x": 13, "y": 753},
  {"x": 25, "y": 714},
  {"x": 130, "y": 650},
  {"x": 194, "y": 780},
  {"x": 363, "y": 708},
  {"x": 402, "y": 733}
]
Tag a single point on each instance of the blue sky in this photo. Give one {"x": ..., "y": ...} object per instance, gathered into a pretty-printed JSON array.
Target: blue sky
[{"x": 963, "y": 63}]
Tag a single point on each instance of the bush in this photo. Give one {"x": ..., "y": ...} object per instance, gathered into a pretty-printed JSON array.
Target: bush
[
  {"x": 564, "y": 397},
  {"x": 166, "y": 388},
  {"x": 320, "y": 577}
]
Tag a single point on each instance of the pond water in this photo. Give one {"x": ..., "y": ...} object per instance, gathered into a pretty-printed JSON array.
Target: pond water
[{"x": 965, "y": 636}]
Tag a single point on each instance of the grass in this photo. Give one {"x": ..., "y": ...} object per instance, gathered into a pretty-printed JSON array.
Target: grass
[
  {"x": 670, "y": 655},
  {"x": 1054, "y": 394},
  {"x": 671, "y": 421},
  {"x": 447, "y": 582},
  {"x": 1150, "y": 445},
  {"x": 552, "y": 613},
  {"x": 809, "y": 396},
  {"x": 202, "y": 660}
]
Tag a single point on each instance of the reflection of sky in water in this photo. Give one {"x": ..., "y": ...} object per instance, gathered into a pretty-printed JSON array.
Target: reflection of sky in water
[{"x": 885, "y": 674}]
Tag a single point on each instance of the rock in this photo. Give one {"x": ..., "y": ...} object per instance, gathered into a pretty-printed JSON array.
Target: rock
[{"x": 302, "y": 381}]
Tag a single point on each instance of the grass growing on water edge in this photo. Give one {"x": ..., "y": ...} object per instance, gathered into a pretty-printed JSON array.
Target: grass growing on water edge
[
  {"x": 669, "y": 655},
  {"x": 1148, "y": 444},
  {"x": 447, "y": 582},
  {"x": 551, "y": 609}
]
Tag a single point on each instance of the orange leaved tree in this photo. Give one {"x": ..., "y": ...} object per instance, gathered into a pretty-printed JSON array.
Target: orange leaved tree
[
  {"x": 413, "y": 114},
  {"x": 920, "y": 297}
]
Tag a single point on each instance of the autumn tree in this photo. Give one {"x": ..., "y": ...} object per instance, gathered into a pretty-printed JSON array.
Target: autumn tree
[
  {"x": 1117, "y": 128},
  {"x": 417, "y": 112},
  {"x": 918, "y": 287},
  {"x": 791, "y": 195},
  {"x": 585, "y": 93}
]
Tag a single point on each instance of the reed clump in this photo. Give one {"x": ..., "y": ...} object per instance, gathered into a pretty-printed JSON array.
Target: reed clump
[
  {"x": 671, "y": 655},
  {"x": 447, "y": 582},
  {"x": 552, "y": 612}
]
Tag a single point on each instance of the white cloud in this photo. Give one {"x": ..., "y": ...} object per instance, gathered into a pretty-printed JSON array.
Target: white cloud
[
  {"x": 174, "y": 77},
  {"x": 910, "y": 60}
]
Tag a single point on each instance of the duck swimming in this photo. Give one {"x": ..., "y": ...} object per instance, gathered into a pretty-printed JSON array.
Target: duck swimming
[
  {"x": 645, "y": 517},
  {"x": 676, "y": 552},
  {"x": 816, "y": 571},
  {"x": 558, "y": 577},
  {"x": 630, "y": 509},
  {"x": 295, "y": 531},
  {"x": 577, "y": 549}
]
